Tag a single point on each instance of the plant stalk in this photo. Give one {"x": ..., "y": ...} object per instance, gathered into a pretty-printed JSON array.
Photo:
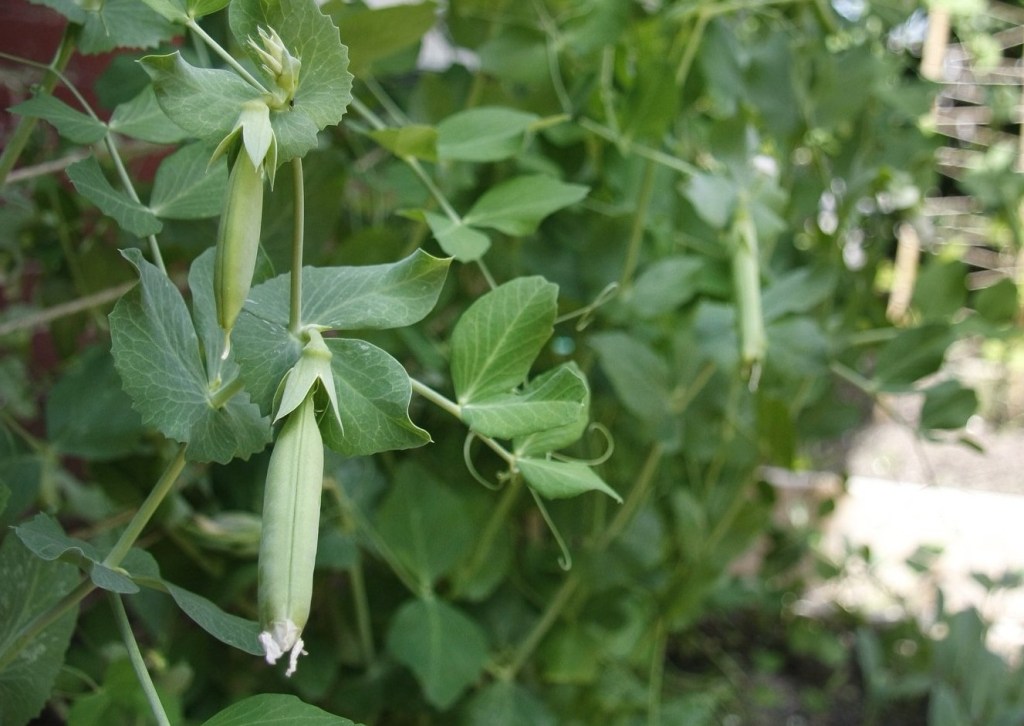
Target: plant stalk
[
  {"x": 138, "y": 663},
  {"x": 22, "y": 132},
  {"x": 298, "y": 239}
]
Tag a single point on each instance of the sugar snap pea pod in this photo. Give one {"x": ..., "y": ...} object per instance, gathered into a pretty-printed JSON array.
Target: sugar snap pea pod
[
  {"x": 291, "y": 518},
  {"x": 238, "y": 240},
  {"x": 746, "y": 275}
]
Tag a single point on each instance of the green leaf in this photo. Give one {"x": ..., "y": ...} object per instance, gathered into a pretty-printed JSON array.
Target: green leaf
[
  {"x": 225, "y": 627},
  {"x": 376, "y": 33},
  {"x": 911, "y": 355},
  {"x": 172, "y": 10},
  {"x": 71, "y": 124},
  {"x": 325, "y": 85},
  {"x": 557, "y": 437},
  {"x": 498, "y": 337},
  {"x": 798, "y": 292},
  {"x": 517, "y": 206},
  {"x": 344, "y": 298},
  {"x": 205, "y": 102},
  {"x": 557, "y": 399},
  {"x": 948, "y": 405},
  {"x": 202, "y": 8},
  {"x": 88, "y": 414},
  {"x": 424, "y": 524},
  {"x": 562, "y": 479},
  {"x": 713, "y": 196},
  {"x": 132, "y": 216},
  {"x": 483, "y": 134},
  {"x": 639, "y": 376},
  {"x": 157, "y": 353},
  {"x": 187, "y": 186},
  {"x": 506, "y": 703},
  {"x": 461, "y": 242},
  {"x": 142, "y": 118},
  {"x": 374, "y": 391},
  {"x": 44, "y": 537},
  {"x": 373, "y": 297},
  {"x": 666, "y": 285},
  {"x": 31, "y": 586},
  {"x": 275, "y": 709},
  {"x": 415, "y": 141},
  {"x": 998, "y": 303},
  {"x": 441, "y": 645},
  {"x": 113, "y": 24}
]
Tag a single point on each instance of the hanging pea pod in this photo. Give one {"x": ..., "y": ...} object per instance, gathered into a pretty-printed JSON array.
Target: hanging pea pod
[
  {"x": 746, "y": 277},
  {"x": 291, "y": 519},
  {"x": 238, "y": 242}
]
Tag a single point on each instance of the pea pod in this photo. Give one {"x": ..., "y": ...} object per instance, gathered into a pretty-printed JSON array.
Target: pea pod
[
  {"x": 746, "y": 275},
  {"x": 238, "y": 240},
  {"x": 291, "y": 518}
]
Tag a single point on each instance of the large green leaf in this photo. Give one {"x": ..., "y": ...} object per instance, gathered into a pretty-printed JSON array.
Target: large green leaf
[
  {"x": 344, "y": 298},
  {"x": 424, "y": 524},
  {"x": 158, "y": 355},
  {"x": 225, "y": 627},
  {"x": 458, "y": 240},
  {"x": 911, "y": 355},
  {"x": 948, "y": 405},
  {"x": 31, "y": 586},
  {"x": 558, "y": 437},
  {"x": 376, "y": 33},
  {"x": 483, "y": 134},
  {"x": 88, "y": 414},
  {"x": 325, "y": 85},
  {"x": 131, "y": 215},
  {"x": 373, "y": 297},
  {"x": 44, "y": 537},
  {"x": 113, "y": 24},
  {"x": 555, "y": 400},
  {"x": 71, "y": 124},
  {"x": 205, "y": 102},
  {"x": 142, "y": 118},
  {"x": 443, "y": 647},
  {"x": 187, "y": 186},
  {"x": 415, "y": 141},
  {"x": 562, "y": 479},
  {"x": 275, "y": 709},
  {"x": 506, "y": 703},
  {"x": 498, "y": 337},
  {"x": 639, "y": 375},
  {"x": 517, "y": 206},
  {"x": 666, "y": 284},
  {"x": 374, "y": 391}
]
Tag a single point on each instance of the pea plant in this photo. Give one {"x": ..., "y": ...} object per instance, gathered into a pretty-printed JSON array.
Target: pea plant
[{"x": 636, "y": 250}]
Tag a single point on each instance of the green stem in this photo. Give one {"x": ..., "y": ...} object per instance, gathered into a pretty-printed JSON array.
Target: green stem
[
  {"x": 686, "y": 62},
  {"x": 17, "y": 141},
  {"x": 442, "y": 402},
  {"x": 43, "y": 620},
  {"x": 220, "y": 397},
  {"x": 298, "y": 239},
  {"x": 483, "y": 546},
  {"x": 135, "y": 656},
  {"x": 637, "y": 495},
  {"x": 72, "y": 307},
  {"x": 657, "y": 675},
  {"x": 147, "y": 510},
  {"x": 636, "y": 234},
  {"x": 659, "y": 157},
  {"x": 551, "y": 614},
  {"x": 362, "y": 605},
  {"x": 126, "y": 182},
  {"x": 349, "y": 509},
  {"x": 451, "y": 407},
  {"x": 375, "y": 121},
  {"x": 227, "y": 57}
]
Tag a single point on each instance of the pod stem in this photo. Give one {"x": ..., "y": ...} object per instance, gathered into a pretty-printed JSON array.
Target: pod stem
[
  {"x": 138, "y": 663},
  {"x": 298, "y": 239}
]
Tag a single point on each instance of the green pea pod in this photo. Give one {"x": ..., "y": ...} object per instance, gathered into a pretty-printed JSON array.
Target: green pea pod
[
  {"x": 746, "y": 275},
  {"x": 291, "y": 518},
  {"x": 238, "y": 241}
]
